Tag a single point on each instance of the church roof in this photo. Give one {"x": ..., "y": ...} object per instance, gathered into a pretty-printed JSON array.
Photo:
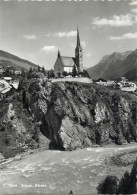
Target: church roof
[{"x": 68, "y": 61}]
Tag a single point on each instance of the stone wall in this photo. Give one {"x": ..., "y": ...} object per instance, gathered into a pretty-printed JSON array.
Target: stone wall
[{"x": 71, "y": 79}]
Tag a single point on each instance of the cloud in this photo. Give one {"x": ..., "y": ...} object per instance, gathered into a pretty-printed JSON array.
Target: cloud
[
  {"x": 30, "y": 37},
  {"x": 66, "y": 34},
  {"x": 63, "y": 34},
  {"x": 124, "y": 36},
  {"x": 133, "y": 3},
  {"x": 115, "y": 21},
  {"x": 89, "y": 55},
  {"x": 49, "y": 49},
  {"x": 134, "y": 10}
]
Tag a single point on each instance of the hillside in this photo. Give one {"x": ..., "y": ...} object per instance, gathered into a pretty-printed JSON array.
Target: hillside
[
  {"x": 7, "y": 59},
  {"x": 110, "y": 66},
  {"x": 129, "y": 65}
]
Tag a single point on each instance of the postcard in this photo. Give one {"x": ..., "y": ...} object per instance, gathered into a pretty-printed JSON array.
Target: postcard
[{"x": 68, "y": 97}]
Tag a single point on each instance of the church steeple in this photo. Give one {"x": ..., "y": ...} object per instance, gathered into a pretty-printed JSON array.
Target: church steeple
[
  {"x": 79, "y": 54},
  {"x": 78, "y": 38}
]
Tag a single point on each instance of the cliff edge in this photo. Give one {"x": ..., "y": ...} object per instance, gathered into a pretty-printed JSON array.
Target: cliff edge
[{"x": 74, "y": 115}]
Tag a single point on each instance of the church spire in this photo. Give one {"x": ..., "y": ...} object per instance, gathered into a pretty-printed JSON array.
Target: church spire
[
  {"x": 78, "y": 38},
  {"x": 58, "y": 53},
  {"x": 79, "y": 54}
]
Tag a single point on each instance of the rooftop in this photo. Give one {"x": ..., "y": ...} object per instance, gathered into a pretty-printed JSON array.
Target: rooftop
[{"x": 68, "y": 61}]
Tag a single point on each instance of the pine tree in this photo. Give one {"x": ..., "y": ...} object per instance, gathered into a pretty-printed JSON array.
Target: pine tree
[
  {"x": 109, "y": 185},
  {"x": 39, "y": 68},
  {"x": 74, "y": 71},
  {"x": 43, "y": 70},
  {"x": 124, "y": 184}
]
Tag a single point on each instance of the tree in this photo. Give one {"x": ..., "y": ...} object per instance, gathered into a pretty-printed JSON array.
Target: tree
[
  {"x": 109, "y": 185},
  {"x": 132, "y": 189},
  {"x": 43, "y": 71},
  {"x": 85, "y": 73},
  {"x": 124, "y": 184},
  {"x": 127, "y": 184},
  {"x": 65, "y": 73},
  {"x": 51, "y": 74},
  {"x": 39, "y": 75},
  {"x": 39, "y": 69},
  {"x": 24, "y": 98},
  {"x": 23, "y": 73},
  {"x": 74, "y": 71}
]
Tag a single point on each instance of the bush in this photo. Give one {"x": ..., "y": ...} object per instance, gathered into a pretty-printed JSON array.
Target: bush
[
  {"x": 12, "y": 117},
  {"x": 6, "y": 141},
  {"x": 65, "y": 73},
  {"x": 127, "y": 184},
  {"x": 108, "y": 186},
  {"x": 3, "y": 128}
]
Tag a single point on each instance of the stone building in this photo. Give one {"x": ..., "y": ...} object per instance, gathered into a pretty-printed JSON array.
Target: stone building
[{"x": 65, "y": 63}]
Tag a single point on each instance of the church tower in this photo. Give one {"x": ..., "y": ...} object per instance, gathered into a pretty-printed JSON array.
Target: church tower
[{"x": 79, "y": 54}]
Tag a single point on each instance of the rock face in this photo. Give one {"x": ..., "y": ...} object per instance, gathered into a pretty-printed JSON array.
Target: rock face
[
  {"x": 65, "y": 116},
  {"x": 18, "y": 130},
  {"x": 73, "y": 115}
]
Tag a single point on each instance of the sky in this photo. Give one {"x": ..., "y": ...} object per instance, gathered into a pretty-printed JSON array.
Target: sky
[{"x": 35, "y": 30}]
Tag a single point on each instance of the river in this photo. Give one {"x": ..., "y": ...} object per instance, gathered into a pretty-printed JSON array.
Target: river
[{"x": 58, "y": 172}]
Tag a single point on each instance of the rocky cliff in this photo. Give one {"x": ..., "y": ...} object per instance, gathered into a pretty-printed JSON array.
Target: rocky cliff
[
  {"x": 18, "y": 130},
  {"x": 65, "y": 116},
  {"x": 73, "y": 115}
]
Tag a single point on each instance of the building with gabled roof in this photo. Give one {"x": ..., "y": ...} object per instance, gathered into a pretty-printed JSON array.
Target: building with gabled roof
[{"x": 65, "y": 63}]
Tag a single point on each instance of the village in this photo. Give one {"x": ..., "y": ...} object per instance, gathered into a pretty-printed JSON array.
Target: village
[{"x": 8, "y": 82}]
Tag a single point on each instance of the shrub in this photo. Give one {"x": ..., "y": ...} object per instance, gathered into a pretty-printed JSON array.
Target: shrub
[
  {"x": 108, "y": 186},
  {"x": 6, "y": 141}
]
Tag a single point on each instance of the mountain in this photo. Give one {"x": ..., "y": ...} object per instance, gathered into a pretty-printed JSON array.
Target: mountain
[
  {"x": 109, "y": 66},
  {"x": 7, "y": 59},
  {"x": 129, "y": 66}
]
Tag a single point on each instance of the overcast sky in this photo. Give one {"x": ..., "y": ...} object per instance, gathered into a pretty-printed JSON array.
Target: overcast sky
[{"x": 35, "y": 30}]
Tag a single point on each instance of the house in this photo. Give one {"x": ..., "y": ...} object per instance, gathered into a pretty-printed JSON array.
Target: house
[
  {"x": 65, "y": 63},
  {"x": 8, "y": 79},
  {"x": 101, "y": 81},
  {"x": 15, "y": 84},
  {"x": 125, "y": 85},
  {"x": 4, "y": 87},
  {"x": 17, "y": 72}
]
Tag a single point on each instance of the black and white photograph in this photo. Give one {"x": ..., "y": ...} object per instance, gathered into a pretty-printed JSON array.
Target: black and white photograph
[{"x": 68, "y": 97}]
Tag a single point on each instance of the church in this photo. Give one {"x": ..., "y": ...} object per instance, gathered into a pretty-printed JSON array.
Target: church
[{"x": 65, "y": 63}]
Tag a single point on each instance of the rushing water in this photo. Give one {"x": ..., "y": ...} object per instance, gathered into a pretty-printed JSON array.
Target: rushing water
[{"x": 57, "y": 172}]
